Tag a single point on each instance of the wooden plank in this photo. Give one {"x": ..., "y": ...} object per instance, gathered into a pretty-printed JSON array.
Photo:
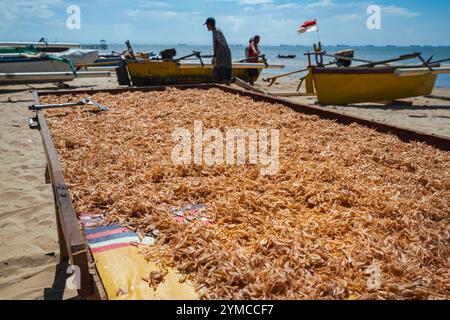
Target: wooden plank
[
  {"x": 72, "y": 241},
  {"x": 69, "y": 219},
  {"x": 125, "y": 89},
  {"x": 433, "y": 96},
  {"x": 291, "y": 94},
  {"x": 411, "y": 72},
  {"x": 241, "y": 83}
]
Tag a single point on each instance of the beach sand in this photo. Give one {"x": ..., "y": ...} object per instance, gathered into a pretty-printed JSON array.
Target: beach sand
[{"x": 29, "y": 253}]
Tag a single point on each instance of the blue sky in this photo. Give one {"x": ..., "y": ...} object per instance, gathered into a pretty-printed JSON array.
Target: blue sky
[{"x": 404, "y": 22}]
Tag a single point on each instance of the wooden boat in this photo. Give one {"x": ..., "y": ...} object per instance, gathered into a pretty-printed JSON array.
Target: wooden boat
[
  {"x": 286, "y": 56},
  {"x": 371, "y": 81},
  {"x": 110, "y": 59},
  {"x": 46, "y": 62},
  {"x": 148, "y": 72},
  {"x": 143, "y": 69},
  {"x": 41, "y": 46},
  {"x": 42, "y": 67},
  {"x": 58, "y": 76},
  {"x": 355, "y": 85}
]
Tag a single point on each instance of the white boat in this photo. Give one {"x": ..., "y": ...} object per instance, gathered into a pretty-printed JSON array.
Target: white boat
[
  {"x": 29, "y": 77},
  {"x": 43, "y": 63},
  {"x": 39, "y": 44}
]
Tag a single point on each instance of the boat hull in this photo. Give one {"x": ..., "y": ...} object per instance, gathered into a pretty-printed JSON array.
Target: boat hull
[
  {"x": 359, "y": 85},
  {"x": 17, "y": 64},
  {"x": 157, "y": 72}
]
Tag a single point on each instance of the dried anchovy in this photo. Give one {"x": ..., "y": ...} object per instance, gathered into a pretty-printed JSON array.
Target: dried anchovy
[{"x": 344, "y": 198}]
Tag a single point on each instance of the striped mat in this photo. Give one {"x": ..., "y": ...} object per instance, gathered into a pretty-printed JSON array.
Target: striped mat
[{"x": 111, "y": 237}]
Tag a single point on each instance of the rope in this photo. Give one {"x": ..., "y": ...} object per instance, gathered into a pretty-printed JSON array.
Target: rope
[
  {"x": 27, "y": 50},
  {"x": 31, "y": 50},
  {"x": 65, "y": 60}
]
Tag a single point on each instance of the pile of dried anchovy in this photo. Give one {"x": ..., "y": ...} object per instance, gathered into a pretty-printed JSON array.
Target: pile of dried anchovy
[{"x": 346, "y": 202}]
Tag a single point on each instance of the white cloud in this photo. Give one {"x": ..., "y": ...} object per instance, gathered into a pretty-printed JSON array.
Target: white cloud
[
  {"x": 348, "y": 17},
  {"x": 153, "y": 4},
  {"x": 122, "y": 30},
  {"x": 11, "y": 10},
  {"x": 249, "y": 2},
  {"x": 398, "y": 11},
  {"x": 243, "y": 2},
  {"x": 158, "y": 8},
  {"x": 320, "y": 4},
  {"x": 161, "y": 13},
  {"x": 235, "y": 21},
  {"x": 282, "y": 6}
]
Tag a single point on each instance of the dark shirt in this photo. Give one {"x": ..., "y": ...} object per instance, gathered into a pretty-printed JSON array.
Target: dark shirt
[{"x": 222, "y": 52}]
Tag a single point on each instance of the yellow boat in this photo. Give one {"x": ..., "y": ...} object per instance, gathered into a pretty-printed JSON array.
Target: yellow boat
[
  {"x": 148, "y": 72},
  {"x": 356, "y": 85},
  {"x": 370, "y": 82}
]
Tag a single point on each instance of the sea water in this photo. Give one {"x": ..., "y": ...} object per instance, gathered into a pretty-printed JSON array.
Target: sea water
[{"x": 372, "y": 53}]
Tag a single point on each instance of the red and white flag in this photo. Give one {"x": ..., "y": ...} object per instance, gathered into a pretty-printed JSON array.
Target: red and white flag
[{"x": 308, "y": 26}]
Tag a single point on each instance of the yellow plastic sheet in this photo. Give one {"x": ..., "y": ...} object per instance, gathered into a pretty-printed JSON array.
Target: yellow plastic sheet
[{"x": 121, "y": 271}]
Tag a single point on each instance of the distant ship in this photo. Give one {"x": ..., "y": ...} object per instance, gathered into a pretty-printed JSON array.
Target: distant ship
[{"x": 286, "y": 56}]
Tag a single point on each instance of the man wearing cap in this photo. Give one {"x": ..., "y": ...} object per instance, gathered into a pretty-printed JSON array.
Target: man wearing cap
[{"x": 222, "y": 54}]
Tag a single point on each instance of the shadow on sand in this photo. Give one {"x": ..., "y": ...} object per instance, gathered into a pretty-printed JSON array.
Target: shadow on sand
[{"x": 56, "y": 292}]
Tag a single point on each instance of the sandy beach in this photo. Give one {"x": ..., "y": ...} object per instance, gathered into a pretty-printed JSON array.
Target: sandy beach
[{"x": 29, "y": 254}]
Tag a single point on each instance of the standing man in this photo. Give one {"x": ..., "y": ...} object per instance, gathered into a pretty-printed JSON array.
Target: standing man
[{"x": 222, "y": 54}]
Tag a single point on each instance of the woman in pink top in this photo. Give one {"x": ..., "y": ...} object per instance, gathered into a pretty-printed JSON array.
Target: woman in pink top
[{"x": 253, "y": 54}]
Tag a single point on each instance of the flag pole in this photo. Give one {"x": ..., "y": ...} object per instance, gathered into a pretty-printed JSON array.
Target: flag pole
[{"x": 318, "y": 35}]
